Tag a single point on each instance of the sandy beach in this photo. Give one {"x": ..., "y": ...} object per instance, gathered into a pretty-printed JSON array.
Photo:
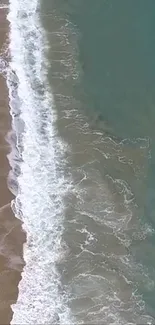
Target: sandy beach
[{"x": 11, "y": 234}]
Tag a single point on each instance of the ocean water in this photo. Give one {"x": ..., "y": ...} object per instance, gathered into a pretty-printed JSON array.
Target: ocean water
[{"x": 81, "y": 85}]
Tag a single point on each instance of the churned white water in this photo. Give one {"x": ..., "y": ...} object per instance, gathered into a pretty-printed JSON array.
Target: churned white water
[
  {"x": 3, "y": 6},
  {"x": 40, "y": 182}
]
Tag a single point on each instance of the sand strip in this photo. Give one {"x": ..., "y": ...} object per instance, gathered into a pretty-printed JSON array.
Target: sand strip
[{"x": 11, "y": 234}]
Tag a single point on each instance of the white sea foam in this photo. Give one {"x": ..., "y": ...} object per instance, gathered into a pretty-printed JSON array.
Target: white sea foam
[
  {"x": 4, "y": 6},
  {"x": 41, "y": 184},
  {"x": 2, "y": 65}
]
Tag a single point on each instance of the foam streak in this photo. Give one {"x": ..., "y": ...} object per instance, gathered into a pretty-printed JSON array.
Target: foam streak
[{"x": 40, "y": 182}]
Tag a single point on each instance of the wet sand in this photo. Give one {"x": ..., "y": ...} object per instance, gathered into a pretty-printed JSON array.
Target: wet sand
[{"x": 11, "y": 234}]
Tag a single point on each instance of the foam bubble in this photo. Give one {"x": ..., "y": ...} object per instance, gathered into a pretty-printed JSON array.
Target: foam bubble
[{"x": 2, "y": 65}]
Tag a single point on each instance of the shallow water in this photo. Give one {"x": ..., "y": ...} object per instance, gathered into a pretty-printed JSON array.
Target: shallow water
[{"x": 85, "y": 137}]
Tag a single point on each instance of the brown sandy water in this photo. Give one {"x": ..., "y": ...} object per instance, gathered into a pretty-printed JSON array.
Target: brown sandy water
[{"x": 11, "y": 235}]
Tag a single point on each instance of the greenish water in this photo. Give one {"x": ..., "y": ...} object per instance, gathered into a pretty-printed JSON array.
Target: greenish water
[
  {"x": 117, "y": 49},
  {"x": 112, "y": 44},
  {"x": 117, "y": 52}
]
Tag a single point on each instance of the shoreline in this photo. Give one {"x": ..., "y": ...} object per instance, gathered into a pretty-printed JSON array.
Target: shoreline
[{"x": 12, "y": 236}]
